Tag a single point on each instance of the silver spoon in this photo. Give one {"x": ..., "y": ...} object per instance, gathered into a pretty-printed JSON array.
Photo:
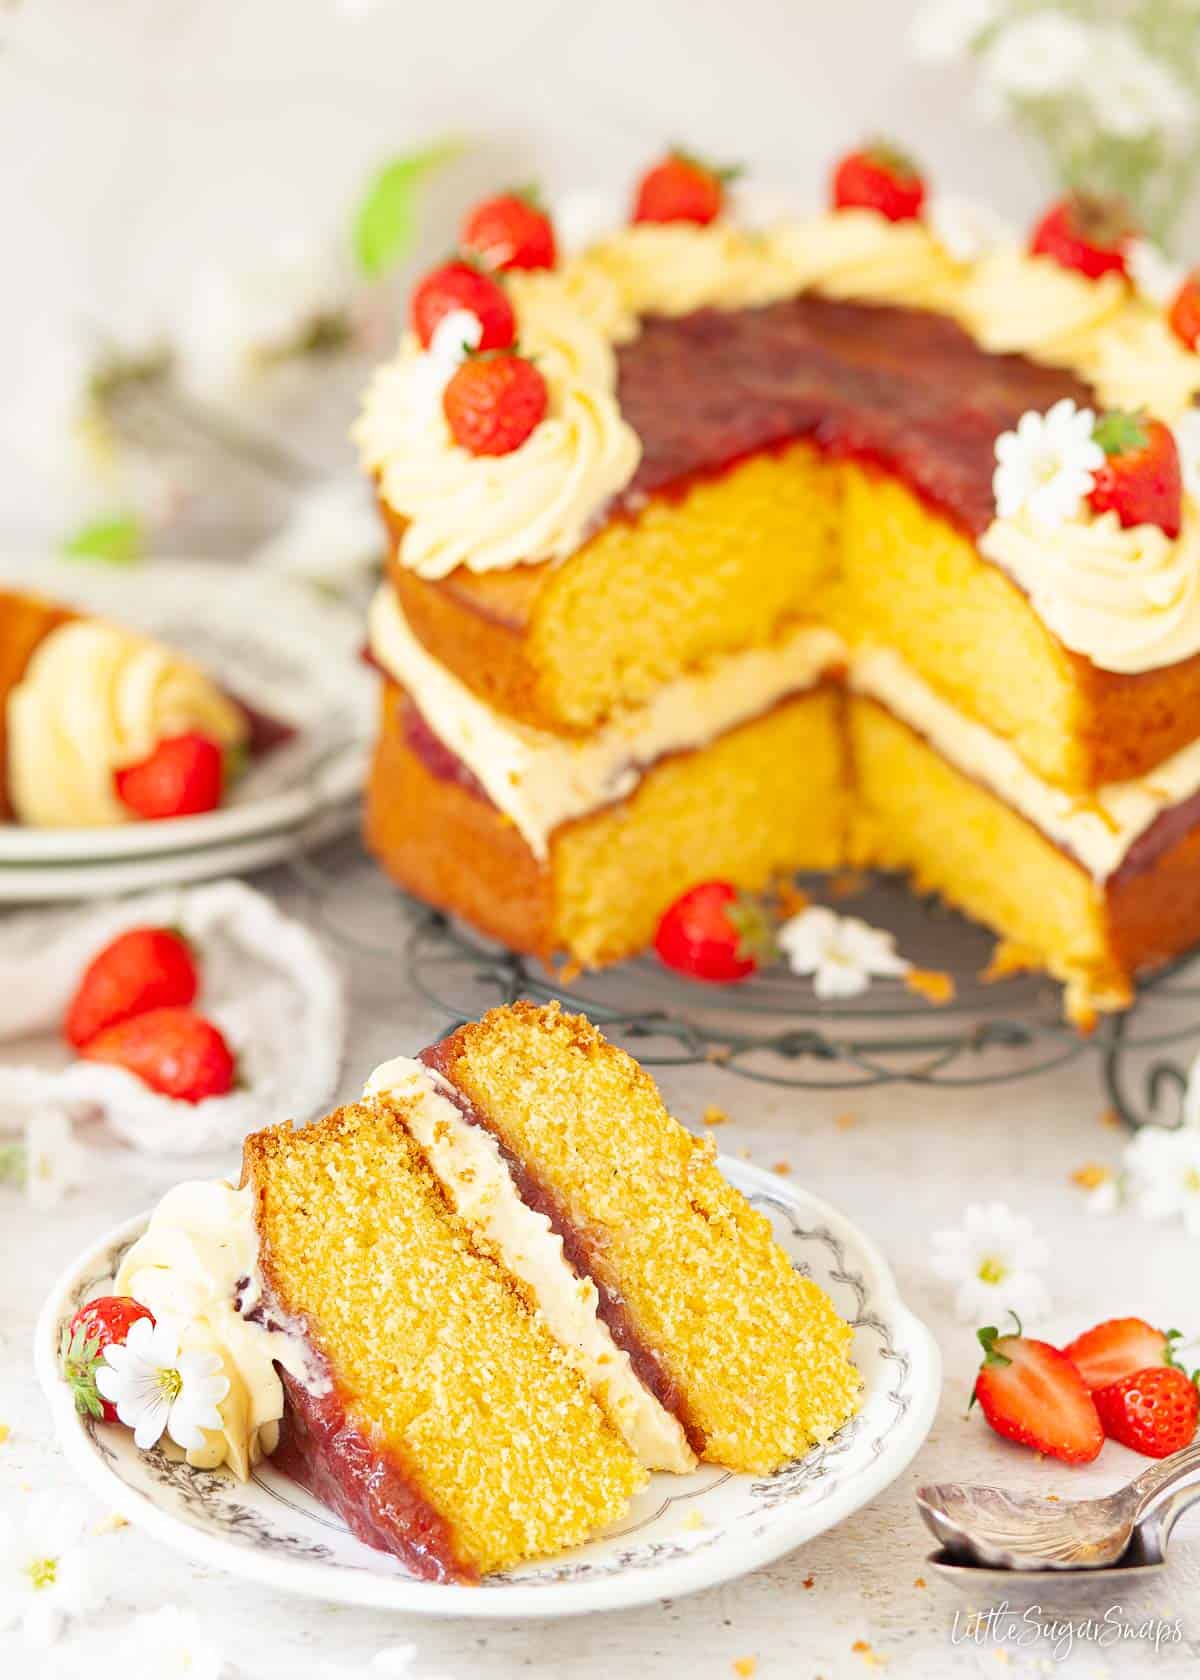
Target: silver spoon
[{"x": 985, "y": 1527}]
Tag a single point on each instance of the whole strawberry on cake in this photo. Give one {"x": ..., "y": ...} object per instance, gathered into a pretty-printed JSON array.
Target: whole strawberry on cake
[{"x": 726, "y": 547}]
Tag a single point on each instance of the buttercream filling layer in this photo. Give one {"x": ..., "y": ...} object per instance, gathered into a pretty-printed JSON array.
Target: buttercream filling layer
[
  {"x": 468, "y": 1163},
  {"x": 541, "y": 780},
  {"x": 1098, "y": 831}
]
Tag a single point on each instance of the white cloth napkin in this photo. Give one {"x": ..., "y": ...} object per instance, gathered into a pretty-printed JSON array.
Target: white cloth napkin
[{"x": 264, "y": 980}]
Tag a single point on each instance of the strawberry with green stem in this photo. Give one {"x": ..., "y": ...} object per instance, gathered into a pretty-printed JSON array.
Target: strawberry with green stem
[
  {"x": 715, "y": 932},
  {"x": 98, "y": 1325},
  {"x": 683, "y": 187}
]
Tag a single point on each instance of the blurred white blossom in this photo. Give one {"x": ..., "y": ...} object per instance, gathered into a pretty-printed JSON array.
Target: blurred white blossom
[
  {"x": 332, "y": 536},
  {"x": 54, "y": 1160},
  {"x": 944, "y": 29}
]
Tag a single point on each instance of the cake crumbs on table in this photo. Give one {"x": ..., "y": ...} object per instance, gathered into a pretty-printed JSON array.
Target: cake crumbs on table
[
  {"x": 808, "y": 1583},
  {"x": 1110, "y": 1118},
  {"x": 933, "y": 984},
  {"x": 5, "y": 1432},
  {"x": 1091, "y": 1175},
  {"x": 847, "y": 883},
  {"x": 845, "y": 1121},
  {"x": 110, "y": 1524},
  {"x": 791, "y": 901},
  {"x": 920, "y": 1582},
  {"x": 718, "y": 1053},
  {"x": 783, "y": 1168},
  {"x": 745, "y": 1666},
  {"x": 694, "y": 1520},
  {"x": 864, "y": 1649},
  {"x": 714, "y": 1116}
]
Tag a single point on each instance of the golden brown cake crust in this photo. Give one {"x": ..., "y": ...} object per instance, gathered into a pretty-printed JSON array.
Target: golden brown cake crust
[{"x": 25, "y": 622}]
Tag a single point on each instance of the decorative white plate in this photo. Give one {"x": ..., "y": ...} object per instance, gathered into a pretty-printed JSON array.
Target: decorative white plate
[
  {"x": 276, "y": 644},
  {"x": 682, "y": 1534}
]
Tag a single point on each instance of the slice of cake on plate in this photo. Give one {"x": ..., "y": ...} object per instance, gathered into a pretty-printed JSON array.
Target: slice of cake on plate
[
  {"x": 100, "y": 725},
  {"x": 474, "y": 1310}
]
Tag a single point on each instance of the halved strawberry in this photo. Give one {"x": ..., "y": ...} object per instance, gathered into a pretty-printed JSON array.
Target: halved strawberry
[
  {"x": 510, "y": 230},
  {"x": 1088, "y": 234},
  {"x": 879, "y": 176},
  {"x": 714, "y": 932},
  {"x": 98, "y": 1324},
  {"x": 173, "y": 1051},
  {"x": 183, "y": 777},
  {"x": 143, "y": 968},
  {"x": 1118, "y": 1347},
  {"x": 1184, "y": 315},
  {"x": 1153, "y": 1411},
  {"x": 1141, "y": 480},
  {"x": 682, "y": 188},
  {"x": 1031, "y": 1393},
  {"x": 460, "y": 285}
]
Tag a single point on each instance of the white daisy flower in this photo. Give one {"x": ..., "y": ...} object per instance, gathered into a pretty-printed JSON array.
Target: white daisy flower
[
  {"x": 1132, "y": 95},
  {"x": 45, "y": 1572},
  {"x": 841, "y": 953},
  {"x": 1162, "y": 1174},
  {"x": 455, "y": 336},
  {"x": 170, "y": 1644},
  {"x": 1155, "y": 276},
  {"x": 155, "y": 1387},
  {"x": 1045, "y": 467},
  {"x": 54, "y": 1161},
  {"x": 1036, "y": 57},
  {"x": 1187, "y": 441},
  {"x": 994, "y": 1259},
  {"x": 945, "y": 29}
]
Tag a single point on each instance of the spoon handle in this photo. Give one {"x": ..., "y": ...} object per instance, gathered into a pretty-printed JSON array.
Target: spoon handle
[{"x": 1167, "y": 1479}]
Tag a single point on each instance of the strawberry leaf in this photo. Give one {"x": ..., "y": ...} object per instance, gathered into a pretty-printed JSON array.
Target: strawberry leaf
[
  {"x": 385, "y": 222},
  {"x": 1120, "y": 432},
  {"x": 756, "y": 937},
  {"x": 886, "y": 155},
  {"x": 78, "y": 1356}
]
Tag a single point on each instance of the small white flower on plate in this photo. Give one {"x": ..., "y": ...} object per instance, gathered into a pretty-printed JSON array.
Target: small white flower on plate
[
  {"x": 1187, "y": 441},
  {"x": 1155, "y": 276},
  {"x": 1162, "y": 1174},
  {"x": 995, "y": 1260},
  {"x": 155, "y": 1387},
  {"x": 841, "y": 953},
  {"x": 169, "y": 1644},
  {"x": 45, "y": 1573},
  {"x": 54, "y": 1161},
  {"x": 945, "y": 29},
  {"x": 455, "y": 336},
  {"x": 964, "y": 229},
  {"x": 1045, "y": 467}
]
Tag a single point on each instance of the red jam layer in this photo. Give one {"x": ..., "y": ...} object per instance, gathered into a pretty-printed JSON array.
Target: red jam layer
[
  {"x": 904, "y": 389},
  {"x": 325, "y": 1451},
  {"x": 610, "y": 1308}
]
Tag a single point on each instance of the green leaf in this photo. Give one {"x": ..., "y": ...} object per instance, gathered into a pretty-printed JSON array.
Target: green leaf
[
  {"x": 1120, "y": 433},
  {"x": 12, "y": 1164},
  {"x": 385, "y": 223},
  {"x": 117, "y": 540}
]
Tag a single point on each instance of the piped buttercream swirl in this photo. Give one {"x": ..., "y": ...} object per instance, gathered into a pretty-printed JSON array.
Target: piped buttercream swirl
[
  {"x": 94, "y": 699},
  {"x": 1127, "y": 599}
]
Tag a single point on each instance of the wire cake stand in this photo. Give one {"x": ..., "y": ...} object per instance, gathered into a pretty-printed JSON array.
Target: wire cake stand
[{"x": 772, "y": 1028}]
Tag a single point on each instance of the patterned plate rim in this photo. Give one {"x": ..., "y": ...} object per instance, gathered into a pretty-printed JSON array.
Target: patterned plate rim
[{"x": 546, "y": 1594}]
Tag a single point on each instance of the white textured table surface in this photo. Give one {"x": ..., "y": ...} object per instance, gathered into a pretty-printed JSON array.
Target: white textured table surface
[{"x": 847, "y": 1603}]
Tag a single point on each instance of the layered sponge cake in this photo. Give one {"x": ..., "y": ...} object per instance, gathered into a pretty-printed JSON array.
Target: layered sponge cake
[
  {"x": 767, "y": 587},
  {"x": 475, "y": 1310}
]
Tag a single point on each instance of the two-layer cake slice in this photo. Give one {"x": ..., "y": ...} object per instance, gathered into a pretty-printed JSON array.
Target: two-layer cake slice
[{"x": 528, "y": 1286}]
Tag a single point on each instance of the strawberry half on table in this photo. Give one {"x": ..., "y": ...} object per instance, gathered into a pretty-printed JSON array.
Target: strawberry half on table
[
  {"x": 176, "y": 1052},
  {"x": 714, "y": 932},
  {"x": 102, "y": 1323},
  {"x": 183, "y": 777},
  {"x": 1141, "y": 480},
  {"x": 682, "y": 188},
  {"x": 879, "y": 177},
  {"x": 1032, "y": 1394},
  {"x": 143, "y": 968},
  {"x": 1117, "y": 1348},
  {"x": 1152, "y": 1411},
  {"x": 511, "y": 230},
  {"x": 1087, "y": 234}
]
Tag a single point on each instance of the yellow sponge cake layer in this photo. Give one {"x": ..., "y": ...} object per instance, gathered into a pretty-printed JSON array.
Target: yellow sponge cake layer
[
  {"x": 758, "y": 1354},
  {"x": 610, "y": 875},
  {"x": 717, "y": 566},
  {"x": 448, "y": 1379}
]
